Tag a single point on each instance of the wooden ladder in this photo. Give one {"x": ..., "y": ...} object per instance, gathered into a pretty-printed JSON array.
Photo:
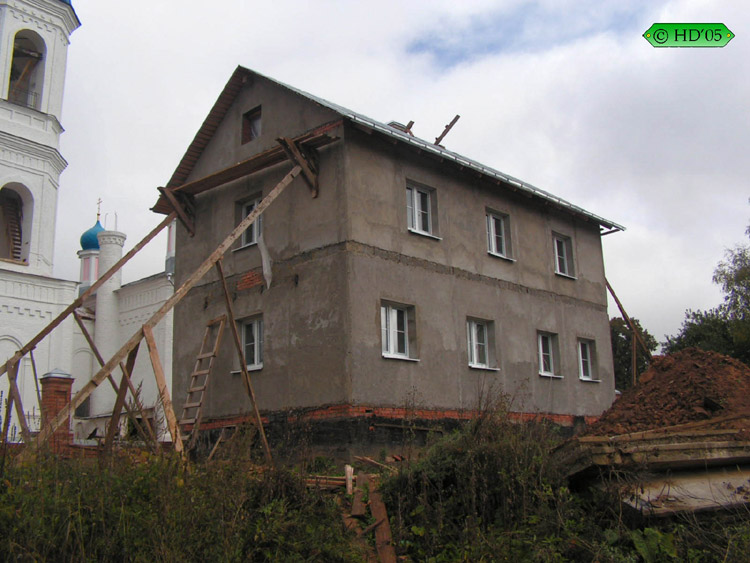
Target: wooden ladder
[{"x": 192, "y": 410}]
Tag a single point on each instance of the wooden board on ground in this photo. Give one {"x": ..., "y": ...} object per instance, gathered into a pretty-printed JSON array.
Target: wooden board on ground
[
  {"x": 383, "y": 538},
  {"x": 358, "y": 504}
]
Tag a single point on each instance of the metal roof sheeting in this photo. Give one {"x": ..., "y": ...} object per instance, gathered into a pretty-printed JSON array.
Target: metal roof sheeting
[{"x": 234, "y": 85}]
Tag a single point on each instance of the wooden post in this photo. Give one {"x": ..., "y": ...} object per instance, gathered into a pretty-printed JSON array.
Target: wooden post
[
  {"x": 349, "y": 474},
  {"x": 243, "y": 364},
  {"x": 633, "y": 328},
  {"x": 36, "y": 381},
  {"x": 16, "y": 395},
  {"x": 177, "y": 296},
  {"x": 6, "y": 419},
  {"x": 147, "y": 437},
  {"x": 90, "y": 291},
  {"x": 161, "y": 381},
  {"x": 122, "y": 393}
]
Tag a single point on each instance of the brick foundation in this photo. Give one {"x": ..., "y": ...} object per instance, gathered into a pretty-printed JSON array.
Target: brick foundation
[{"x": 332, "y": 412}]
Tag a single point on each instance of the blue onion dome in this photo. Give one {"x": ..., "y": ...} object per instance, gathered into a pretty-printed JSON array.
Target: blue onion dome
[
  {"x": 68, "y": 2},
  {"x": 89, "y": 240}
]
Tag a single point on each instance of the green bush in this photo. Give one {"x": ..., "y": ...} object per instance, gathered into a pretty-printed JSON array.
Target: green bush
[{"x": 153, "y": 509}]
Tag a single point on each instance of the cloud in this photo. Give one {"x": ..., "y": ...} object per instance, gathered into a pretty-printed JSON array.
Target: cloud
[{"x": 565, "y": 95}]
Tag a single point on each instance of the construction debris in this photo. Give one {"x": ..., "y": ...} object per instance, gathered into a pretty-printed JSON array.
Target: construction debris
[
  {"x": 683, "y": 431},
  {"x": 691, "y": 385}
]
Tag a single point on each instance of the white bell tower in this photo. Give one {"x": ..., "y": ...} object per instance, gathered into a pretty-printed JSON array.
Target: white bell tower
[{"x": 34, "y": 39}]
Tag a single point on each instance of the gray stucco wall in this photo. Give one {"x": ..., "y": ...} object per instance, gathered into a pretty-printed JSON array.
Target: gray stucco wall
[
  {"x": 452, "y": 279},
  {"x": 338, "y": 257}
]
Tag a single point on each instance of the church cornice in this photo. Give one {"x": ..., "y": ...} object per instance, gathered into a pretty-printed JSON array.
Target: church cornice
[
  {"x": 17, "y": 151},
  {"x": 50, "y": 12}
]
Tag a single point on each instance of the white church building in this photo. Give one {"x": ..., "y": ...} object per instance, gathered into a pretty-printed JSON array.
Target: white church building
[{"x": 34, "y": 38}]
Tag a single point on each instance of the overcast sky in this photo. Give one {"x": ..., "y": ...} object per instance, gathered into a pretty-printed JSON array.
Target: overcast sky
[{"x": 565, "y": 95}]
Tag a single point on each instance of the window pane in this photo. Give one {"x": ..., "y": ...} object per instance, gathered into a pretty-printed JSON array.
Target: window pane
[
  {"x": 481, "y": 344},
  {"x": 259, "y": 341},
  {"x": 250, "y": 235},
  {"x": 585, "y": 360},
  {"x": 410, "y": 207},
  {"x": 424, "y": 211},
  {"x": 400, "y": 331},
  {"x": 384, "y": 329},
  {"x": 498, "y": 232},
  {"x": 490, "y": 235},
  {"x": 545, "y": 346},
  {"x": 249, "y": 334},
  {"x": 562, "y": 265}
]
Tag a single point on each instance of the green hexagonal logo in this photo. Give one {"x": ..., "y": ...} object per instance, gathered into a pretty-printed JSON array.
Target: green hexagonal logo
[{"x": 688, "y": 35}]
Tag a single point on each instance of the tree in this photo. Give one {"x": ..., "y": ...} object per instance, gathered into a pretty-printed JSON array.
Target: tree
[
  {"x": 725, "y": 329},
  {"x": 708, "y": 330},
  {"x": 622, "y": 351}
]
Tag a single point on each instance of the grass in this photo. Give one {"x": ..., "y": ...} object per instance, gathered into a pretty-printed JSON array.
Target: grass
[{"x": 151, "y": 508}]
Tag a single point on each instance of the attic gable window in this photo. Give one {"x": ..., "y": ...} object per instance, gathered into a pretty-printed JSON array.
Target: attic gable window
[{"x": 251, "y": 122}]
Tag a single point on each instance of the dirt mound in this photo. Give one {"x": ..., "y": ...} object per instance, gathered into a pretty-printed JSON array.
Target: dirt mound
[{"x": 688, "y": 386}]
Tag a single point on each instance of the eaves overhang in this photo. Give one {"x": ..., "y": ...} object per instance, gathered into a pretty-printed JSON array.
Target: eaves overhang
[{"x": 241, "y": 74}]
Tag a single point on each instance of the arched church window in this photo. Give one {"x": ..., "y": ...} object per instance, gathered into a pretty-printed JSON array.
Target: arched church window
[
  {"x": 15, "y": 222},
  {"x": 27, "y": 70}
]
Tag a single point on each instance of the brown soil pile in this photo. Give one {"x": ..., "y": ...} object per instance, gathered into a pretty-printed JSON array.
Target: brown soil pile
[{"x": 688, "y": 386}]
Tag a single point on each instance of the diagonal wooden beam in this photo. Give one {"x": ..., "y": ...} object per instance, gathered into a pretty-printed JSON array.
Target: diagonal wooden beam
[
  {"x": 90, "y": 291},
  {"x": 182, "y": 213},
  {"x": 161, "y": 382},
  {"x": 16, "y": 396},
  {"x": 632, "y": 326},
  {"x": 36, "y": 380},
  {"x": 176, "y": 297},
  {"x": 313, "y": 139},
  {"x": 122, "y": 394},
  {"x": 243, "y": 363},
  {"x": 149, "y": 437},
  {"x": 308, "y": 168},
  {"x": 8, "y": 413}
]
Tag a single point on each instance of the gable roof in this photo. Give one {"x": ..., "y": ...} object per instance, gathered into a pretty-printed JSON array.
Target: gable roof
[{"x": 240, "y": 75}]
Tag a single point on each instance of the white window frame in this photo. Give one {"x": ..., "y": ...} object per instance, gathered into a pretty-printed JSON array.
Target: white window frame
[
  {"x": 563, "y": 247},
  {"x": 506, "y": 250},
  {"x": 587, "y": 360},
  {"x": 254, "y": 324},
  {"x": 420, "y": 205},
  {"x": 551, "y": 351},
  {"x": 480, "y": 340},
  {"x": 251, "y": 234},
  {"x": 397, "y": 331}
]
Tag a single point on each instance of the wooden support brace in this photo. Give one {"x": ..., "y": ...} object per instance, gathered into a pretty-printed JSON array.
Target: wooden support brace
[
  {"x": 168, "y": 305},
  {"x": 161, "y": 382},
  {"x": 183, "y": 214},
  {"x": 16, "y": 396},
  {"x": 632, "y": 326},
  {"x": 447, "y": 128},
  {"x": 36, "y": 380},
  {"x": 305, "y": 162},
  {"x": 90, "y": 291},
  {"x": 6, "y": 418},
  {"x": 122, "y": 393},
  {"x": 147, "y": 434},
  {"x": 243, "y": 363}
]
